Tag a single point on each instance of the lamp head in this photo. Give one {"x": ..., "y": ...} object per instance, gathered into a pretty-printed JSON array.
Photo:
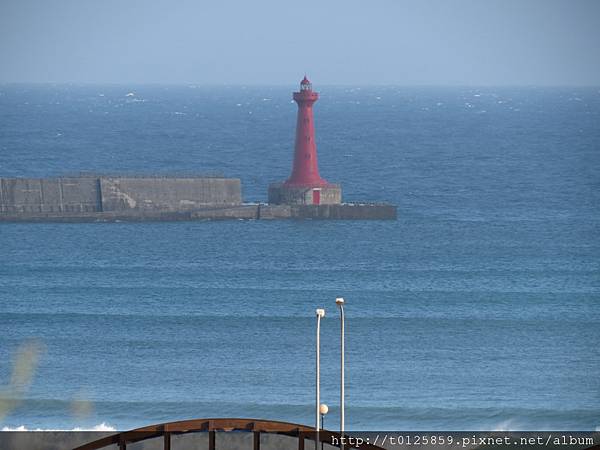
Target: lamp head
[
  {"x": 339, "y": 301},
  {"x": 320, "y": 312},
  {"x": 323, "y": 409}
]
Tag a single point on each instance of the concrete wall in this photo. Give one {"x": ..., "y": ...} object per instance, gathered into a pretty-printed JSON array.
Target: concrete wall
[
  {"x": 243, "y": 211},
  {"x": 61, "y": 440},
  {"x": 34, "y": 195},
  {"x": 88, "y": 199},
  {"x": 279, "y": 194},
  {"x": 92, "y": 194},
  {"x": 346, "y": 211},
  {"x": 268, "y": 212},
  {"x": 168, "y": 194},
  {"x": 246, "y": 212}
]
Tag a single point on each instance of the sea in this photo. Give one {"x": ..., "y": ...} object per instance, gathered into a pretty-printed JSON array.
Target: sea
[{"x": 478, "y": 309}]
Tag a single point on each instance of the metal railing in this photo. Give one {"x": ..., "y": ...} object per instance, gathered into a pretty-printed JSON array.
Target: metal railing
[{"x": 211, "y": 426}]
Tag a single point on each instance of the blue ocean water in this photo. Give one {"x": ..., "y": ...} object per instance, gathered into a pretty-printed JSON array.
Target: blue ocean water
[{"x": 477, "y": 309}]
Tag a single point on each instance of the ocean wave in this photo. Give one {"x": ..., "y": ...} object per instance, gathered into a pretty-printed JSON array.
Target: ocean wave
[
  {"x": 53, "y": 415},
  {"x": 100, "y": 427}
]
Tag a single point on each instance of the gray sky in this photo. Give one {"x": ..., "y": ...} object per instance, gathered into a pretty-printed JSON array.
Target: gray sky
[{"x": 440, "y": 42}]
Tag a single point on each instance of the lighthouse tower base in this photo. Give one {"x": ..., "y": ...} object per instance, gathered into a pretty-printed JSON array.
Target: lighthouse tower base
[{"x": 282, "y": 194}]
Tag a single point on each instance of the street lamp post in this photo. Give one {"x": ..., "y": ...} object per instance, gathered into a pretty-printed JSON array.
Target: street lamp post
[
  {"x": 320, "y": 314},
  {"x": 323, "y": 409},
  {"x": 340, "y": 303}
]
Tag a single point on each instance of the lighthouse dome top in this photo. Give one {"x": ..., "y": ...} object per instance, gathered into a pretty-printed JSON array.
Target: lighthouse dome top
[{"x": 305, "y": 84}]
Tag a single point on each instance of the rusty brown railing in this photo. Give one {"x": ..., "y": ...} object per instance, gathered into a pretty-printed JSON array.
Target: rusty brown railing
[{"x": 211, "y": 426}]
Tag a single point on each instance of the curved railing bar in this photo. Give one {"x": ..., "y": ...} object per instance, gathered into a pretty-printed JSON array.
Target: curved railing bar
[{"x": 213, "y": 425}]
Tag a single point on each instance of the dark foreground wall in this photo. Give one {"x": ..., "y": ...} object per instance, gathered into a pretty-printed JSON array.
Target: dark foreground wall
[
  {"x": 65, "y": 440},
  {"x": 104, "y": 194}
]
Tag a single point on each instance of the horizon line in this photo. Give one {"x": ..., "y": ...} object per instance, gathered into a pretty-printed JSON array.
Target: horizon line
[{"x": 262, "y": 85}]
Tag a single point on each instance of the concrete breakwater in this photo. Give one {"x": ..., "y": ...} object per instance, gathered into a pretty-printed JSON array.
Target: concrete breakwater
[
  {"x": 344, "y": 211},
  {"x": 67, "y": 195},
  {"x": 111, "y": 199}
]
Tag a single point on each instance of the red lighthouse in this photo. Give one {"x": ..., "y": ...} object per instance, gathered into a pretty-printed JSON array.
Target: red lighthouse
[
  {"x": 305, "y": 185},
  {"x": 306, "y": 169}
]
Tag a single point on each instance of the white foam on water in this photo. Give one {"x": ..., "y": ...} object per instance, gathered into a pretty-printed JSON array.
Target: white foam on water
[
  {"x": 506, "y": 425},
  {"x": 100, "y": 427}
]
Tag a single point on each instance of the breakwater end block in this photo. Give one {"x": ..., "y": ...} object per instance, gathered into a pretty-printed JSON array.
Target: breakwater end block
[{"x": 346, "y": 211}]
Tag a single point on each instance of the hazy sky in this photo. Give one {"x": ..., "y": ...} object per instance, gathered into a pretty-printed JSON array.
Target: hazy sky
[{"x": 468, "y": 42}]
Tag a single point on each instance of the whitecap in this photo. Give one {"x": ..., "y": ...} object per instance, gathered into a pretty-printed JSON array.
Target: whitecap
[
  {"x": 506, "y": 425},
  {"x": 100, "y": 427},
  {"x": 20, "y": 428}
]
